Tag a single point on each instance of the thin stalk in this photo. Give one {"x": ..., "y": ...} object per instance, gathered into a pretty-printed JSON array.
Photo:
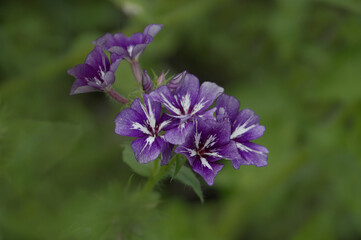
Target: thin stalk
[
  {"x": 116, "y": 96},
  {"x": 136, "y": 71},
  {"x": 152, "y": 181}
]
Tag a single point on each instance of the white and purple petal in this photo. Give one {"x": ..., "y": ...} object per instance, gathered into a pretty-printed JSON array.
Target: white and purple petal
[
  {"x": 208, "y": 92},
  {"x": 187, "y": 93},
  {"x": 130, "y": 123},
  {"x": 178, "y": 134},
  {"x": 251, "y": 154},
  {"x": 145, "y": 149},
  {"x": 208, "y": 170},
  {"x": 227, "y": 108},
  {"x": 245, "y": 121},
  {"x": 165, "y": 96}
]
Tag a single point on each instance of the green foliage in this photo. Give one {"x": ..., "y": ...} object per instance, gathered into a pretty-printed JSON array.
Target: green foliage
[
  {"x": 295, "y": 63},
  {"x": 145, "y": 170},
  {"x": 187, "y": 176}
]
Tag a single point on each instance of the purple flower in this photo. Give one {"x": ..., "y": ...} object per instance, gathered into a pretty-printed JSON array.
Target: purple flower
[
  {"x": 128, "y": 47},
  {"x": 96, "y": 74},
  {"x": 188, "y": 101},
  {"x": 146, "y": 82},
  {"x": 245, "y": 127},
  {"x": 144, "y": 121},
  {"x": 208, "y": 142}
]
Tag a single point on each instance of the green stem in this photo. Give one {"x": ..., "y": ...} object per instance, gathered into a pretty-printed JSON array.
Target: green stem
[{"x": 152, "y": 181}]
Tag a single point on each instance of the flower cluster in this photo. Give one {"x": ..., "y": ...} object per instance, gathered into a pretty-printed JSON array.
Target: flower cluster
[{"x": 177, "y": 116}]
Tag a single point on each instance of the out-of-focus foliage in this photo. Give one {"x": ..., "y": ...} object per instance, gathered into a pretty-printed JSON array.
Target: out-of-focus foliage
[{"x": 296, "y": 63}]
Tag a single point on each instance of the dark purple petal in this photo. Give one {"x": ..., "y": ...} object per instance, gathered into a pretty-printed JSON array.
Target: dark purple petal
[
  {"x": 120, "y": 40},
  {"x": 210, "y": 129},
  {"x": 130, "y": 123},
  {"x": 245, "y": 121},
  {"x": 135, "y": 39},
  {"x": 98, "y": 59},
  {"x": 178, "y": 134},
  {"x": 81, "y": 86},
  {"x": 208, "y": 92},
  {"x": 106, "y": 41},
  {"x": 252, "y": 154},
  {"x": 153, "y": 29},
  {"x": 83, "y": 71},
  {"x": 166, "y": 150},
  {"x": 145, "y": 149},
  {"x": 227, "y": 108},
  {"x": 208, "y": 174}
]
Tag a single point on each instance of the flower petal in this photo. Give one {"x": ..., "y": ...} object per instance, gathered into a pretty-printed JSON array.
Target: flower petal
[
  {"x": 178, "y": 134},
  {"x": 81, "y": 86},
  {"x": 228, "y": 151},
  {"x": 115, "y": 59},
  {"x": 251, "y": 154},
  {"x": 187, "y": 92},
  {"x": 207, "y": 173},
  {"x": 145, "y": 149},
  {"x": 227, "y": 107},
  {"x": 165, "y": 96},
  {"x": 166, "y": 150},
  {"x": 153, "y": 29},
  {"x": 210, "y": 129},
  {"x": 98, "y": 59},
  {"x": 251, "y": 134},
  {"x": 130, "y": 123},
  {"x": 208, "y": 115},
  {"x": 82, "y": 71},
  {"x": 106, "y": 41},
  {"x": 119, "y": 51},
  {"x": 120, "y": 40},
  {"x": 208, "y": 92},
  {"x": 137, "y": 50},
  {"x": 245, "y": 121}
]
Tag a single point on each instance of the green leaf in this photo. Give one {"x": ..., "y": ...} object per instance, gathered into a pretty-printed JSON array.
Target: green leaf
[
  {"x": 186, "y": 176},
  {"x": 145, "y": 170},
  {"x": 179, "y": 162}
]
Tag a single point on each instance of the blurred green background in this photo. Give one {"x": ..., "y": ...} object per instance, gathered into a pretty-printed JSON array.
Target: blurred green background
[{"x": 296, "y": 63}]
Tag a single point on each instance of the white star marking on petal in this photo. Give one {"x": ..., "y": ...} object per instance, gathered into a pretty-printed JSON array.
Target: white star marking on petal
[
  {"x": 141, "y": 128},
  {"x": 241, "y": 129},
  {"x": 205, "y": 163},
  {"x": 247, "y": 149},
  {"x": 170, "y": 105},
  {"x": 148, "y": 142}
]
